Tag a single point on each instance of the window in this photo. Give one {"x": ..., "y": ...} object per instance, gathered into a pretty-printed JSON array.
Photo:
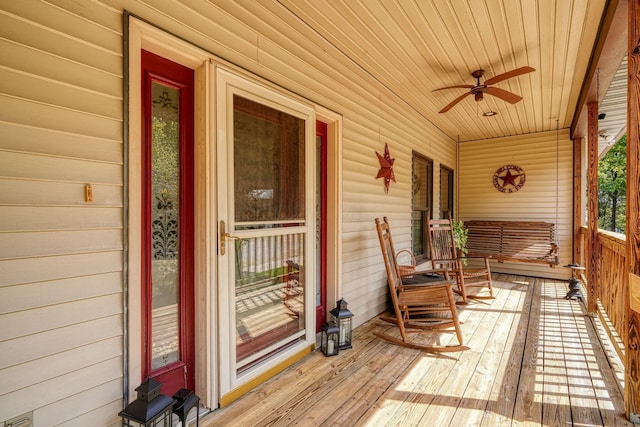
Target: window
[
  {"x": 422, "y": 203},
  {"x": 446, "y": 192}
]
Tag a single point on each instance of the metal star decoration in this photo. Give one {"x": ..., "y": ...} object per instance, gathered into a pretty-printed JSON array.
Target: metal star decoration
[
  {"x": 386, "y": 168},
  {"x": 509, "y": 178}
]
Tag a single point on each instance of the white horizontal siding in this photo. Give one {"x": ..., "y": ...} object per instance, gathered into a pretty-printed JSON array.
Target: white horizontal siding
[
  {"x": 46, "y": 193},
  {"x": 15, "y": 26},
  {"x": 41, "y": 319},
  {"x": 61, "y": 121},
  {"x": 32, "y": 113},
  {"x": 40, "y": 294},
  {"x": 52, "y": 341},
  {"x": 30, "y": 244},
  {"x": 25, "y": 218},
  {"x": 49, "y": 367},
  {"x": 46, "y": 167},
  {"x": 547, "y": 194},
  {"x": 26, "y": 138},
  {"x": 72, "y": 411},
  {"x": 51, "y": 92},
  {"x": 27, "y": 270},
  {"x": 54, "y": 390}
]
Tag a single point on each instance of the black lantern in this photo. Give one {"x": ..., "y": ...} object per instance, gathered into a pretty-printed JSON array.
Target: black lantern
[
  {"x": 185, "y": 402},
  {"x": 151, "y": 408},
  {"x": 330, "y": 337},
  {"x": 342, "y": 317}
]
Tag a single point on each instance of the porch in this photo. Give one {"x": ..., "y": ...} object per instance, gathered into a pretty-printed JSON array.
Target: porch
[{"x": 535, "y": 359}]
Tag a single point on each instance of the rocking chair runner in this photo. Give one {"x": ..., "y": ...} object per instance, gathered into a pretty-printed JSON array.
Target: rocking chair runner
[
  {"x": 444, "y": 255},
  {"x": 416, "y": 298}
]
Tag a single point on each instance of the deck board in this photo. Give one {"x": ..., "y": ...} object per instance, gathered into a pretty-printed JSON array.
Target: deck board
[
  {"x": 501, "y": 402},
  {"x": 534, "y": 360}
]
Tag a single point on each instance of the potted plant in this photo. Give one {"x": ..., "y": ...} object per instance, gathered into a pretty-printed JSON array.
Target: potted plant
[{"x": 460, "y": 234}]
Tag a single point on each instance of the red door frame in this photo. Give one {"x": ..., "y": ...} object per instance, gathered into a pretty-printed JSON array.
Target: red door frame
[
  {"x": 321, "y": 310},
  {"x": 182, "y": 373}
]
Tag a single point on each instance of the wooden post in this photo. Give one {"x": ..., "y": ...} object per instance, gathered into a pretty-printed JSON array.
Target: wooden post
[
  {"x": 632, "y": 351},
  {"x": 577, "y": 198},
  {"x": 592, "y": 206}
]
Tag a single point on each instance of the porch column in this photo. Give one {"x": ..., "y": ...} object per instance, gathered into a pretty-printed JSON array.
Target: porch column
[
  {"x": 592, "y": 206},
  {"x": 577, "y": 199},
  {"x": 632, "y": 352}
]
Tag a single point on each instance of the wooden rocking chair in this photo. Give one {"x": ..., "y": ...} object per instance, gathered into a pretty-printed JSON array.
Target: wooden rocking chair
[
  {"x": 416, "y": 298},
  {"x": 444, "y": 256}
]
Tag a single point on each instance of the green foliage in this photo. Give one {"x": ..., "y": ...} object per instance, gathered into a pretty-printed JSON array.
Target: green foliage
[
  {"x": 612, "y": 184},
  {"x": 460, "y": 235},
  {"x": 165, "y": 161}
]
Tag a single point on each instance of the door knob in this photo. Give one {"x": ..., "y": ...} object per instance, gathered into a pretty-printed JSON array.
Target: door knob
[{"x": 224, "y": 236}]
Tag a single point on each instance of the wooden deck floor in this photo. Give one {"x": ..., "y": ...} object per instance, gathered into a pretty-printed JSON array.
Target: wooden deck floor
[{"x": 534, "y": 360}]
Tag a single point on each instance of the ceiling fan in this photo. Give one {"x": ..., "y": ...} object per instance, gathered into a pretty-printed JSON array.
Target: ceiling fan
[{"x": 479, "y": 89}]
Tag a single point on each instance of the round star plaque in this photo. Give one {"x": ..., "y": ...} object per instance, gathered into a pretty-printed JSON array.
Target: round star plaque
[{"x": 509, "y": 178}]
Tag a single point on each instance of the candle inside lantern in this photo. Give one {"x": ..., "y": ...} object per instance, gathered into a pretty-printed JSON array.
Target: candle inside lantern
[{"x": 330, "y": 346}]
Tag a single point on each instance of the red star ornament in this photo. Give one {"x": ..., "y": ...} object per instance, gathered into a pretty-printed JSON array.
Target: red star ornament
[
  {"x": 386, "y": 168},
  {"x": 508, "y": 178}
]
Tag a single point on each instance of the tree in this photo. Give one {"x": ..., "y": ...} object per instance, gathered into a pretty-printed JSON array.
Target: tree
[{"x": 612, "y": 184}]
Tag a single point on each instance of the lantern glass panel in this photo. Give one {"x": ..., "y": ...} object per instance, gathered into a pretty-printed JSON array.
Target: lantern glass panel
[
  {"x": 131, "y": 423},
  {"x": 345, "y": 332},
  {"x": 330, "y": 337},
  {"x": 331, "y": 344},
  {"x": 163, "y": 420}
]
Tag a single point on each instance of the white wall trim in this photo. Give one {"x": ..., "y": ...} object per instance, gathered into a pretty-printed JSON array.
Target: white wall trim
[
  {"x": 145, "y": 36},
  {"x": 334, "y": 203}
]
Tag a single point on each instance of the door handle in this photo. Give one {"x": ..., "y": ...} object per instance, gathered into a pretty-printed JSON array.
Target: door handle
[{"x": 224, "y": 236}]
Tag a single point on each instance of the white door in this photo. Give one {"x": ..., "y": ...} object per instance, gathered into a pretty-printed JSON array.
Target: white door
[{"x": 265, "y": 150}]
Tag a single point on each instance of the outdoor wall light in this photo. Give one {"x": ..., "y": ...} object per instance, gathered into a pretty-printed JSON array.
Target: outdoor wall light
[
  {"x": 330, "y": 337},
  {"x": 151, "y": 408},
  {"x": 342, "y": 317}
]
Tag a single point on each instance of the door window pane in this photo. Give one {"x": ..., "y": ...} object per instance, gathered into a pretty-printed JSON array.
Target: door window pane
[
  {"x": 269, "y": 295},
  {"x": 165, "y": 198},
  {"x": 269, "y": 159}
]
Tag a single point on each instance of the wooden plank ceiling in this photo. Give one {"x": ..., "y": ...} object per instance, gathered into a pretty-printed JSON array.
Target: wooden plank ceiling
[{"x": 413, "y": 47}]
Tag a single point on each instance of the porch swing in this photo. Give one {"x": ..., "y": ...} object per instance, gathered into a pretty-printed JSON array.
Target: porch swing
[{"x": 517, "y": 241}]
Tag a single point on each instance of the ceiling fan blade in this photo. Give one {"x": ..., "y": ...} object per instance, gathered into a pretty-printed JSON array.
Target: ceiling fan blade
[
  {"x": 454, "y": 87},
  {"x": 454, "y": 102},
  {"x": 510, "y": 97},
  {"x": 513, "y": 73}
]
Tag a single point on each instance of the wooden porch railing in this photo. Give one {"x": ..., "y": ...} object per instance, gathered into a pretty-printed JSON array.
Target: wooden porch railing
[{"x": 612, "y": 289}]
